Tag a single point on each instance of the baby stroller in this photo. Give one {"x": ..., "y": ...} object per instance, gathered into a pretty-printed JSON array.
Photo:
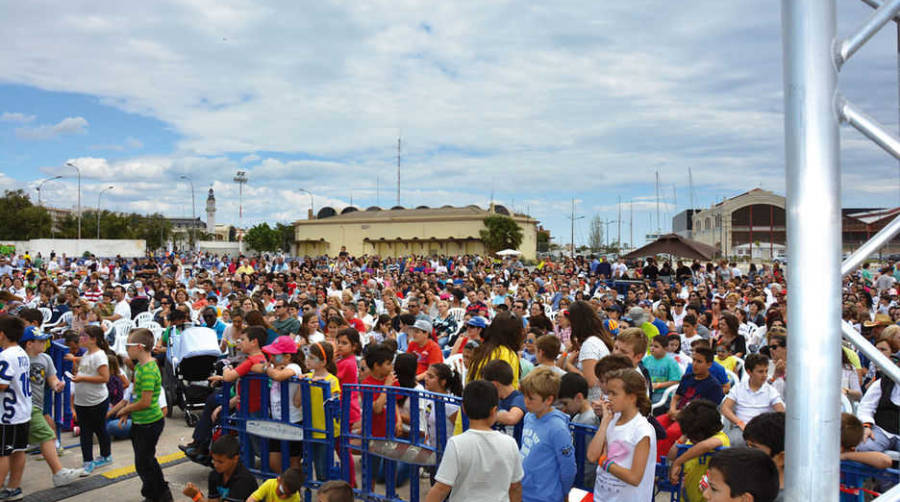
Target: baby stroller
[{"x": 190, "y": 360}]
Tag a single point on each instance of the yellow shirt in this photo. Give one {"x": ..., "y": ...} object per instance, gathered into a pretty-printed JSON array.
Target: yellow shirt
[
  {"x": 502, "y": 352},
  {"x": 729, "y": 362},
  {"x": 318, "y": 405},
  {"x": 268, "y": 492},
  {"x": 694, "y": 470}
]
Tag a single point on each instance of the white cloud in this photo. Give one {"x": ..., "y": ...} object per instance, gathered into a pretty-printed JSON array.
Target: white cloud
[
  {"x": 250, "y": 158},
  {"x": 15, "y": 117},
  {"x": 68, "y": 125}
]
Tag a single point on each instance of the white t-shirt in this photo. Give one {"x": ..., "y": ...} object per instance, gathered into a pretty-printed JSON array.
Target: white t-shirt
[
  {"x": 91, "y": 394},
  {"x": 621, "y": 441},
  {"x": 275, "y": 396},
  {"x": 592, "y": 348},
  {"x": 15, "y": 368},
  {"x": 429, "y": 410},
  {"x": 748, "y": 404},
  {"x": 123, "y": 309},
  {"x": 480, "y": 466}
]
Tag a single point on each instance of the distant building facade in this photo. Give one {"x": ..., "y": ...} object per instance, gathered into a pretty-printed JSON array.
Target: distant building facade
[
  {"x": 683, "y": 223},
  {"x": 400, "y": 232},
  {"x": 753, "y": 221}
]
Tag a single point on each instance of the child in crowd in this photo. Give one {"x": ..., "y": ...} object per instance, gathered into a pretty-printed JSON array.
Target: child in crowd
[
  {"x": 230, "y": 479},
  {"x": 512, "y": 403},
  {"x": 741, "y": 474},
  {"x": 851, "y": 437},
  {"x": 724, "y": 357},
  {"x": 427, "y": 351},
  {"x": 689, "y": 334},
  {"x": 284, "y": 488},
  {"x": 701, "y": 426},
  {"x": 662, "y": 367},
  {"x": 320, "y": 361},
  {"x": 380, "y": 361},
  {"x": 284, "y": 363},
  {"x": 14, "y": 423},
  {"x": 43, "y": 373},
  {"x": 632, "y": 343},
  {"x": 336, "y": 490},
  {"x": 442, "y": 380},
  {"x": 548, "y": 455},
  {"x": 765, "y": 432},
  {"x": 572, "y": 399},
  {"x": 529, "y": 349},
  {"x": 92, "y": 398},
  {"x": 624, "y": 446},
  {"x": 696, "y": 385},
  {"x": 480, "y": 463},
  {"x": 147, "y": 421},
  {"x": 547, "y": 349},
  {"x": 749, "y": 398},
  {"x": 673, "y": 347}
]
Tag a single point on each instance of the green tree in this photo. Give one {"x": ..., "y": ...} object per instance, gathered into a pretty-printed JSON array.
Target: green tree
[
  {"x": 285, "y": 236},
  {"x": 20, "y": 219},
  {"x": 155, "y": 229},
  {"x": 501, "y": 232},
  {"x": 262, "y": 238}
]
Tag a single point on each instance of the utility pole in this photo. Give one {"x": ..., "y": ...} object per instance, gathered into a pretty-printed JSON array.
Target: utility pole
[
  {"x": 573, "y": 218},
  {"x": 631, "y": 224},
  {"x": 657, "y": 203},
  {"x": 73, "y": 166},
  {"x": 619, "y": 206},
  {"x": 398, "y": 171},
  {"x": 98, "y": 208},
  {"x": 193, "y": 209}
]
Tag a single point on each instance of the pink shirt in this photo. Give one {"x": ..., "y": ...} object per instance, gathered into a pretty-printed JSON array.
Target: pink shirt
[{"x": 348, "y": 372}]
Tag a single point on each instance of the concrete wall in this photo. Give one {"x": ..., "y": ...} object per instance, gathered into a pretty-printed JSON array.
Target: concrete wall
[
  {"x": 73, "y": 247},
  {"x": 221, "y": 247}
]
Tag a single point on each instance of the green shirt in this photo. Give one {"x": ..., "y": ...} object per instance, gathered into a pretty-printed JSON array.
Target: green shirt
[{"x": 147, "y": 378}]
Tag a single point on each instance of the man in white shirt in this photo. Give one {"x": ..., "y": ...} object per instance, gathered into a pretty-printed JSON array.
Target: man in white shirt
[
  {"x": 878, "y": 413},
  {"x": 123, "y": 309}
]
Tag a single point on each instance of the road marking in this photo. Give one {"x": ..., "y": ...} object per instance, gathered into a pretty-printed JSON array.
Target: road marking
[{"x": 124, "y": 471}]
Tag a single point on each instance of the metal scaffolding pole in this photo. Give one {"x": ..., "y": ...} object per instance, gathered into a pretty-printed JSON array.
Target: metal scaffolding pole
[{"x": 812, "y": 150}]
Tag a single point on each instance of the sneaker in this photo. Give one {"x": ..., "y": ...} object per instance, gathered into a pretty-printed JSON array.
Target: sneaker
[
  {"x": 87, "y": 469},
  {"x": 65, "y": 476},
  {"x": 189, "y": 446},
  {"x": 102, "y": 462},
  {"x": 10, "y": 495}
]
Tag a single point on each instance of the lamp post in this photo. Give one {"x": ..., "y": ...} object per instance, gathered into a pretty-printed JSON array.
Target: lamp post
[
  {"x": 98, "y": 208},
  {"x": 311, "y": 210},
  {"x": 193, "y": 209},
  {"x": 73, "y": 166},
  {"x": 41, "y": 185},
  {"x": 240, "y": 178}
]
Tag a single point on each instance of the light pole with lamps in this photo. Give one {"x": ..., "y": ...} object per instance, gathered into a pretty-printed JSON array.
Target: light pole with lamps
[
  {"x": 73, "y": 166},
  {"x": 41, "y": 185},
  {"x": 193, "y": 210},
  {"x": 241, "y": 178},
  {"x": 98, "y": 208},
  {"x": 311, "y": 210}
]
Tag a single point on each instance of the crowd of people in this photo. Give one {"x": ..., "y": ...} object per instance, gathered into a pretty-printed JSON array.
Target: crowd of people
[{"x": 679, "y": 363}]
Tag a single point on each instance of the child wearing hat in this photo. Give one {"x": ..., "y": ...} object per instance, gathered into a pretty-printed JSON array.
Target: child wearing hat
[
  {"x": 426, "y": 350},
  {"x": 284, "y": 363}
]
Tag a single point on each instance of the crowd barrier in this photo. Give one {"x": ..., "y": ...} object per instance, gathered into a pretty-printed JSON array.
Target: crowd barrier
[
  {"x": 60, "y": 402},
  {"x": 256, "y": 428},
  {"x": 854, "y": 476},
  {"x": 396, "y": 452}
]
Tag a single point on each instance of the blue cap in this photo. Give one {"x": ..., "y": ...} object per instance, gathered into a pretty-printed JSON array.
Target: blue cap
[
  {"x": 477, "y": 321},
  {"x": 33, "y": 333}
]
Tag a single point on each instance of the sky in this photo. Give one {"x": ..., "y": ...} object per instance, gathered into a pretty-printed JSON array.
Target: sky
[{"x": 529, "y": 105}]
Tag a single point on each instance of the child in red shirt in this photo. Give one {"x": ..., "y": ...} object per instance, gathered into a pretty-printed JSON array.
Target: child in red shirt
[
  {"x": 426, "y": 350},
  {"x": 347, "y": 347},
  {"x": 380, "y": 361}
]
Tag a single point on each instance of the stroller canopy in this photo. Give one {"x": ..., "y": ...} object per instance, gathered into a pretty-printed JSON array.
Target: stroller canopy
[{"x": 194, "y": 341}]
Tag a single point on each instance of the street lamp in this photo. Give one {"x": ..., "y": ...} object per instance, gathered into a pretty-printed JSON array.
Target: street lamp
[
  {"x": 311, "y": 210},
  {"x": 98, "y": 208},
  {"x": 41, "y": 185},
  {"x": 193, "y": 209},
  {"x": 241, "y": 178},
  {"x": 73, "y": 166}
]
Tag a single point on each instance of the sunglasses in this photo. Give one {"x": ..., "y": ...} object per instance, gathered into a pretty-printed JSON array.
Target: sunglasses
[{"x": 774, "y": 346}]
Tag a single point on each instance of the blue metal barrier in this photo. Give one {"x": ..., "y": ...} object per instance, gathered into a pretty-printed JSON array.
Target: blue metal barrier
[
  {"x": 582, "y": 435},
  {"x": 61, "y": 405},
  {"x": 258, "y": 427},
  {"x": 855, "y": 474},
  {"x": 422, "y": 447}
]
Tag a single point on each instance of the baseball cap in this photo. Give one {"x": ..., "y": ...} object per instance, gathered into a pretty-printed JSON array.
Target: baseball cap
[
  {"x": 281, "y": 345},
  {"x": 477, "y": 321},
  {"x": 33, "y": 333},
  {"x": 423, "y": 325}
]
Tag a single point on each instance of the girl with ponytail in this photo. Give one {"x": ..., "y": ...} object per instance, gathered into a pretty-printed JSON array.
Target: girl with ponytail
[
  {"x": 440, "y": 379},
  {"x": 320, "y": 360},
  {"x": 92, "y": 397},
  {"x": 624, "y": 446}
]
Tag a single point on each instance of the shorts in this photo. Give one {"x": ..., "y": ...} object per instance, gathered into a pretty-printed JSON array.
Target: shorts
[
  {"x": 13, "y": 438},
  {"x": 39, "y": 430},
  {"x": 295, "y": 448}
]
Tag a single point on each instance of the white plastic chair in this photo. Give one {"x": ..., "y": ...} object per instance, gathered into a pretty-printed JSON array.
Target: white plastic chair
[
  {"x": 548, "y": 310},
  {"x": 666, "y": 395},
  {"x": 154, "y": 328},
  {"x": 63, "y": 323},
  {"x": 142, "y": 319},
  {"x": 552, "y": 315},
  {"x": 846, "y": 405},
  {"x": 47, "y": 313},
  {"x": 457, "y": 313},
  {"x": 732, "y": 378}
]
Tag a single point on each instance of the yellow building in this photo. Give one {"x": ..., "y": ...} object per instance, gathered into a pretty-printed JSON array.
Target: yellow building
[{"x": 400, "y": 232}]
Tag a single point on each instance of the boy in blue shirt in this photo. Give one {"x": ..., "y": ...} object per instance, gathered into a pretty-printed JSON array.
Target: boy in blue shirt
[
  {"x": 511, "y": 407},
  {"x": 664, "y": 370},
  {"x": 548, "y": 456}
]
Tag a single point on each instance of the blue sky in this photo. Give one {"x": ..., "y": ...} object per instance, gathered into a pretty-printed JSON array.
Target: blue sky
[{"x": 533, "y": 104}]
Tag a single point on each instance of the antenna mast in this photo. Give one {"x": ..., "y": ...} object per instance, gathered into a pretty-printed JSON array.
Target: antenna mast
[
  {"x": 619, "y": 239},
  {"x": 658, "y": 228}
]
